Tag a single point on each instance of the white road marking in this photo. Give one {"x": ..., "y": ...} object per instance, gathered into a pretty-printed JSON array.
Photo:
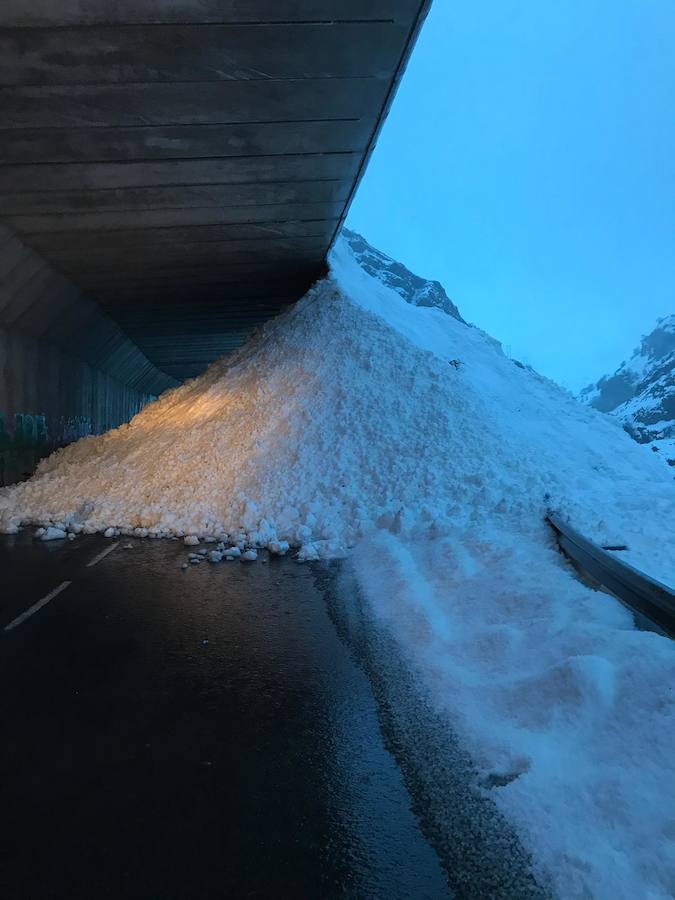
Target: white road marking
[
  {"x": 103, "y": 554},
  {"x": 36, "y": 606}
]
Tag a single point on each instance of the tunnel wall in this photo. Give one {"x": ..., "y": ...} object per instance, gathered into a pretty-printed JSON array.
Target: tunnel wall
[{"x": 66, "y": 369}]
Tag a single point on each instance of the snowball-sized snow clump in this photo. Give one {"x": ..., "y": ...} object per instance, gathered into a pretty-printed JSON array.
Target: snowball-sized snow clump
[
  {"x": 278, "y": 548},
  {"x": 53, "y": 534}
]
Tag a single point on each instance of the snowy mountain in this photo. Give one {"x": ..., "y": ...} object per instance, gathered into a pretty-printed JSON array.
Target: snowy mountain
[
  {"x": 415, "y": 290},
  {"x": 641, "y": 393}
]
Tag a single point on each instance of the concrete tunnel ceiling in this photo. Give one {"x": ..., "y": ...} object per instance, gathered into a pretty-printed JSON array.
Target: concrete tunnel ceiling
[{"x": 187, "y": 163}]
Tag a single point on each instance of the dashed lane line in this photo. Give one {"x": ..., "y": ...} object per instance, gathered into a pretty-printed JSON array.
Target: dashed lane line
[
  {"x": 103, "y": 554},
  {"x": 37, "y": 606},
  {"x": 57, "y": 590}
]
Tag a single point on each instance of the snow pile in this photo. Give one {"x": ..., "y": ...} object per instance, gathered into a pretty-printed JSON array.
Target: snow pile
[
  {"x": 343, "y": 414},
  {"x": 356, "y": 417},
  {"x": 291, "y": 439}
]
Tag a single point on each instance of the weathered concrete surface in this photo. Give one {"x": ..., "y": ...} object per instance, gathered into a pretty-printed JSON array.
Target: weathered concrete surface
[{"x": 141, "y": 125}]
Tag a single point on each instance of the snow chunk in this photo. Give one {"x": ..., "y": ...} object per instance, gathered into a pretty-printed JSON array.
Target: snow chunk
[
  {"x": 53, "y": 534},
  {"x": 309, "y": 552},
  {"x": 278, "y": 548}
]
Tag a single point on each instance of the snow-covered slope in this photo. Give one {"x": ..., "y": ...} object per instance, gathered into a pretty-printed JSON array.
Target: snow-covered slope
[
  {"x": 641, "y": 393},
  {"x": 415, "y": 290},
  {"x": 358, "y": 420}
]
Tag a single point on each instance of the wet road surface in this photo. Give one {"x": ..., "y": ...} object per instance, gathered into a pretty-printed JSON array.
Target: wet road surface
[{"x": 196, "y": 734}]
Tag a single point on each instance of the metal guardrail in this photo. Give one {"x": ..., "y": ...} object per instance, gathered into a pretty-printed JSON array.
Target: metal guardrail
[{"x": 641, "y": 594}]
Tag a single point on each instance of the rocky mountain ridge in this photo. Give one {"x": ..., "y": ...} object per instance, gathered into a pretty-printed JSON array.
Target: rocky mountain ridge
[
  {"x": 641, "y": 393},
  {"x": 414, "y": 289}
]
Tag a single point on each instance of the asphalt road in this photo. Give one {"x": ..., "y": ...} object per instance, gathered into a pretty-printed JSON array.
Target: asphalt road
[{"x": 189, "y": 734}]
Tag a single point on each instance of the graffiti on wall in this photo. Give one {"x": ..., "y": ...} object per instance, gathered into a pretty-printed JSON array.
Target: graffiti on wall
[{"x": 25, "y": 439}]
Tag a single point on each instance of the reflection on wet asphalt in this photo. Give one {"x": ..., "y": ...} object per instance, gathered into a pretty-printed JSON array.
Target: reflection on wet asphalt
[
  {"x": 194, "y": 734},
  {"x": 479, "y": 849}
]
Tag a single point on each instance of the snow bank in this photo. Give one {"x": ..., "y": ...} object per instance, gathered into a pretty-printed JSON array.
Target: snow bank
[{"x": 566, "y": 709}]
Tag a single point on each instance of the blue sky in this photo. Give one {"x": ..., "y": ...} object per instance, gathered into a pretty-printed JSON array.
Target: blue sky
[{"x": 528, "y": 163}]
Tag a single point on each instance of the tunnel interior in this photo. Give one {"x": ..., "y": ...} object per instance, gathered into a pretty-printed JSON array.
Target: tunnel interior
[{"x": 172, "y": 174}]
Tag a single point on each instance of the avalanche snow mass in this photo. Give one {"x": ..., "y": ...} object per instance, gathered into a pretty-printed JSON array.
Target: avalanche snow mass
[
  {"x": 353, "y": 410},
  {"x": 356, "y": 420}
]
